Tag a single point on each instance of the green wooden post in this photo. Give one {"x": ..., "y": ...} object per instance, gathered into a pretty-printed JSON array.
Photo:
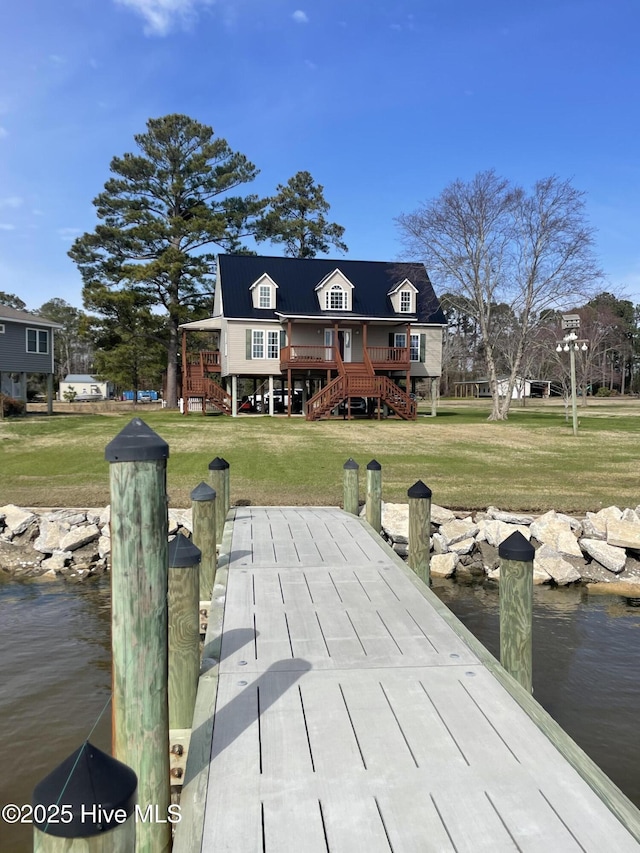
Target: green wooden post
[
  {"x": 184, "y": 630},
  {"x": 99, "y": 793},
  {"x": 227, "y": 485},
  {"x": 139, "y": 564},
  {"x": 516, "y": 607},
  {"x": 203, "y": 515},
  {"x": 419, "y": 530},
  {"x": 350, "y": 486},
  {"x": 374, "y": 495},
  {"x": 217, "y": 481}
]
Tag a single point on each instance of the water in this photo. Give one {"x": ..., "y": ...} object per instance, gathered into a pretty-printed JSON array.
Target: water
[{"x": 55, "y": 676}]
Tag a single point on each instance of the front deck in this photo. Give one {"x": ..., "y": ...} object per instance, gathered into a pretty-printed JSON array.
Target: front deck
[{"x": 343, "y": 708}]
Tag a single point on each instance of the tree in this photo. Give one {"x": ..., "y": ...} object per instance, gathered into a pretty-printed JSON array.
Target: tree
[
  {"x": 72, "y": 347},
  {"x": 503, "y": 251},
  {"x": 296, "y": 218},
  {"x": 161, "y": 211},
  {"x": 12, "y": 301}
]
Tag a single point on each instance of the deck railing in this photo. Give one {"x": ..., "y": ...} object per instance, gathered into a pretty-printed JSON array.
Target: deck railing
[{"x": 389, "y": 355}]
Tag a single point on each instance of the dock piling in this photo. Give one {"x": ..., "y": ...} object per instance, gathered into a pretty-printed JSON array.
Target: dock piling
[
  {"x": 351, "y": 491},
  {"x": 139, "y": 568},
  {"x": 374, "y": 495},
  {"x": 516, "y": 607},
  {"x": 218, "y": 469},
  {"x": 184, "y": 630},
  {"x": 419, "y": 530},
  {"x": 203, "y": 515}
]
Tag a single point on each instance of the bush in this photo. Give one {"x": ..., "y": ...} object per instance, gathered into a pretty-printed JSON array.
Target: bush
[{"x": 11, "y": 406}]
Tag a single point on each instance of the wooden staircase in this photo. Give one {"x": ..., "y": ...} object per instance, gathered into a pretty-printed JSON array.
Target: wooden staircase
[
  {"x": 207, "y": 389},
  {"x": 358, "y": 379}
]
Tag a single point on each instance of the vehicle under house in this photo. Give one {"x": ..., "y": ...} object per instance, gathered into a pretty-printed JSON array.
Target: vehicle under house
[{"x": 333, "y": 331}]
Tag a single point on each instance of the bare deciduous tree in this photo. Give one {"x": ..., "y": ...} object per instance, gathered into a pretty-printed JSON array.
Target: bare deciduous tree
[{"x": 507, "y": 255}]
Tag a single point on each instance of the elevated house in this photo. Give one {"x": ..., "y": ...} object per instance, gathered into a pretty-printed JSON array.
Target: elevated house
[
  {"x": 333, "y": 330},
  {"x": 26, "y": 347}
]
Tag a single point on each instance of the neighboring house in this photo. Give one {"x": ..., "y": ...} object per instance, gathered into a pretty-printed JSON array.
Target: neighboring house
[
  {"x": 337, "y": 330},
  {"x": 522, "y": 388},
  {"x": 82, "y": 388},
  {"x": 26, "y": 347}
]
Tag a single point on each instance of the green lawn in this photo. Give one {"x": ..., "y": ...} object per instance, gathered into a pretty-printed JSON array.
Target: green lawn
[{"x": 531, "y": 462}]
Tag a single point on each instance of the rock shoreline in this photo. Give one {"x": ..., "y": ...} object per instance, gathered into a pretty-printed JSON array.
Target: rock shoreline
[{"x": 601, "y": 550}]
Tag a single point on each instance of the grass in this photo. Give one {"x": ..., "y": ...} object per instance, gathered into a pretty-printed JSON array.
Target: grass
[{"x": 530, "y": 462}]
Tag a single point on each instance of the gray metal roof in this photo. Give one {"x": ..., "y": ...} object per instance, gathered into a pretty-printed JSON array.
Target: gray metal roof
[{"x": 17, "y": 316}]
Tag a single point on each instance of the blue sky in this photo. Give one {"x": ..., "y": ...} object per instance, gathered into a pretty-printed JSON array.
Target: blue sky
[{"x": 385, "y": 103}]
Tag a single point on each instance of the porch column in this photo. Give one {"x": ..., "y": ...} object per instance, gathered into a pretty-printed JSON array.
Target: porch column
[
  {"x": 234, "y": 396},
  {"x": 271, "y": 396},
  {"x": 408, "y": 384},
  {"x": 434, "y": 396},
  {"x": 183, "y": 376},
  {"x": 23, "y": 386},
  {"x": 290, "y": 390},
  {"x": 49, "y": 393},
  {"x": 364, "y": 341}
]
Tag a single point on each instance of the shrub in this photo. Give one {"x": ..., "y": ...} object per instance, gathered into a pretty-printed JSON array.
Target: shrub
[{"x": 11, "y": 406}]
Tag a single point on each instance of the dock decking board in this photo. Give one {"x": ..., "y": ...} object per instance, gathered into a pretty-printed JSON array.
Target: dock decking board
[{"x": 350, "y": 715}]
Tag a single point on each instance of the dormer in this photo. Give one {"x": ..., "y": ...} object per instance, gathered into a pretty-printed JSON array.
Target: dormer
[
  {"x": 335, "y": 292},
  {"x": 263, "y": 293},
  {"x": 403, "y": 297}
]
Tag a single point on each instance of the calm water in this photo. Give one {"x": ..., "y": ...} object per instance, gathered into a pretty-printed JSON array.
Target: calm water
[{"x": 55, "y": 676}]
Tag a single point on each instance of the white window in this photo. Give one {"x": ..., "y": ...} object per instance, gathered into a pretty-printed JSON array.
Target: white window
[
  {"x": 405, "y": 301},
  {"x": 1, "y": 328},
  {"x": 264, "y": 296},
  {"x": 265, "y": 348},
  {"x": 336, "y": 298},
  {"x": 400, "y": 339},
  {"x": 38, "y": 341},
  {"x": 414, "y": 348},
  {"x": 257, "y": 344},
  {"x": 273, "y": 345}
]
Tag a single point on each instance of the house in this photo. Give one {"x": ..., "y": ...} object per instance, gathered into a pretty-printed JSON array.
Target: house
[
  {"x": 83, "y": 388},
  {"x": 522, "y": 388},
  {"x": 26, "y": 347},
  {"x": 336, "y": 330}
]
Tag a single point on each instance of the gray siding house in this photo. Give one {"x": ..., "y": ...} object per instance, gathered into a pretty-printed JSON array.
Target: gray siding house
[{"x": 26, "y": 347}]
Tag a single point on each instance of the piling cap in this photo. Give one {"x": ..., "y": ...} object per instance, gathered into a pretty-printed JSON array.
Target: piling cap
[
  {"x": 183, "y": 553},
  {"x": 419, "y": 490},
  {"x": 203, "y": 492},
  {"x": 137, "y": 442},
  {"x": 218, "y": 464},
  {"x": 95, "y": 786},
  {"x": 374, "y": 466},
  {"x": 351, "y": 465},
  {"x": 516, "y": 547}
]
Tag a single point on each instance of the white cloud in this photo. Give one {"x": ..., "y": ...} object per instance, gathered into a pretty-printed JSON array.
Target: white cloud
[
  {"x": 5, "y": 226},
  {"x": 161, "y": 16},
  {"x": 68, "y": 233},
  {"x": 311, "y": 65},
  {"x": 300, "y": 17},
  {"x": 11, "y": 201},
  {"x": 3, "y": 132}
]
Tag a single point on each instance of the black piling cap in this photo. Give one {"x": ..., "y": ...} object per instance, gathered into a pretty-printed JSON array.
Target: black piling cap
[
  {"x": 137, "y": 442},
  {"x": 419, "y": 490},
  {"x": 516, "y": 547},
  {"x": 351, "y": 465},
  {"x": 100, "y": 790},
  {"x": 203, "y": 492},
  {"x": 374, "y": 466},
  {"x": 218, "y": 464},
  {"x": 182, "y": 552}
]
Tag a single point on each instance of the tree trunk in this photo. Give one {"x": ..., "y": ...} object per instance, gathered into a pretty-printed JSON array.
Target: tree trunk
[{"x": 172, "y": 365}]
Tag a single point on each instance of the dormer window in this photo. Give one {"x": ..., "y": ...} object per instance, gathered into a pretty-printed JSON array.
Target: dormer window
[
  {"x": 336, "y": 298},
  {"x": 403, "y": 297},
  {"x": 264, "y": 296},
  {"x": 263, "y": 292},
  {"x": 405, "y": 301}
]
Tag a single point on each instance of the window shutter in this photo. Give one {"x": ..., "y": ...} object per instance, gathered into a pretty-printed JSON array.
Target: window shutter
[
  {"x": 248, "y": 333},
  {"x": 283, "y": 338},
  {"x": 391, "y": 339},
  {"x": 423, "y": 347}
]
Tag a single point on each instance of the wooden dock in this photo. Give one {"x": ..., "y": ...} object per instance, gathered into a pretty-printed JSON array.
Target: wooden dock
[{"x": 345, "y": 709}]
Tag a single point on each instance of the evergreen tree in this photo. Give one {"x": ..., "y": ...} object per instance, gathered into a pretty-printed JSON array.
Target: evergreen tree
[
  {"x": 12, "y": 301},
  {"x": 162, "y": 210},
  {"x": 296, "y": 218}
]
